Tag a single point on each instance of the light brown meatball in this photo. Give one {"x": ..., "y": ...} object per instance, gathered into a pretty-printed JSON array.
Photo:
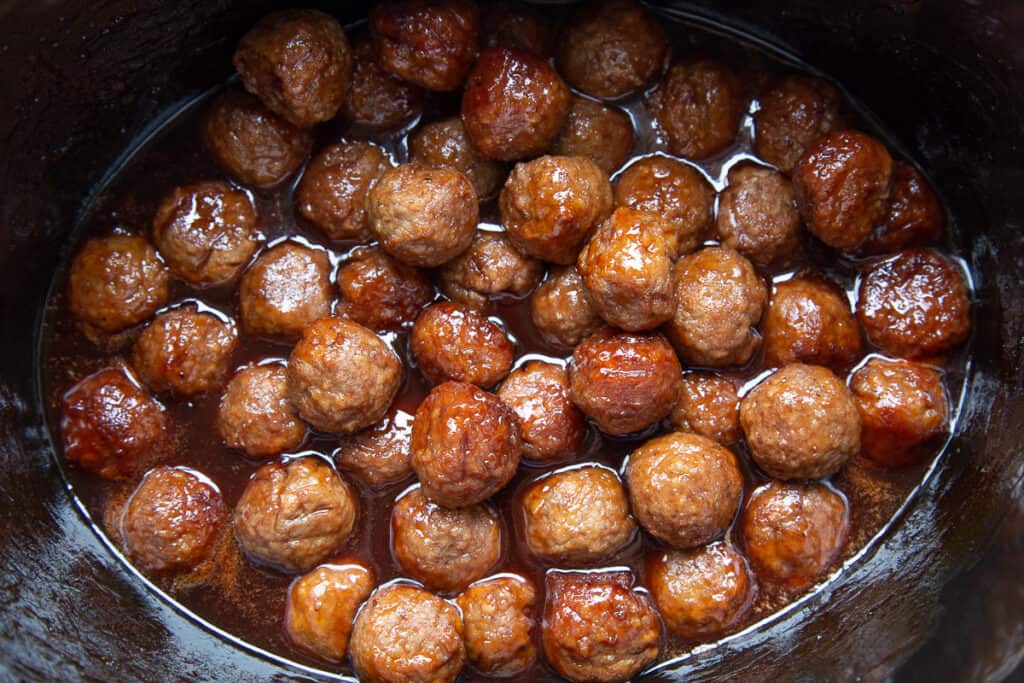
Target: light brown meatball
[
  {"x": 809, "y": 321},
  {"x": 514, "y": 104},
  {"x": 913, "y": 217},
  {"x": 376, "y": 98},
  {"x": 515, "y": 25},
  {"x": 299, "y": 63},
  {"x": 293, "y": 515},
  {"x": 285, "y": 289},
  {"x": 379, "y": 455},
  {"x": 491, "y": 266},
  {"x": 794, "y": 113},
  {"x": 322, "y": 606},
  {"x": 801, "y": 423},
  {"x": 914, "y": 305},
  {"x": 550, "y": 205},
  {"x": 446, "y": 549},
  {"x": 255, "y": 415},
  {"x": 598, "y": 132},
  {"x": 381, "y": 292},
  {"x": 499, "y": 624},
  {"x": 553, "y": 427},
  {"x": 597, "y": 627},
  {"x": 445, "y": 144},
  {"x": 757, "y": 214},
  {"x": 206, "y": 232},
  {"x": 561, "y": 309},
  {"x": 341, "y": 376},
  {"x": 450, "y": 341},
  {"x": 708, "y": 405},
  {"x": 466, "y": 444}
]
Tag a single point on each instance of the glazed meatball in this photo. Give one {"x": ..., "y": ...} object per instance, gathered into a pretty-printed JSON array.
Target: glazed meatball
[
  {"x": 114, "y": 283},
  {"x": 801, "y": 423},
  {"x": 914, "y": 305},
  {"x": 684, "y": 488},
  {"x": 627, "y": 267},
  {"x": 842, "y": 187},
  {"x": 794, "y": 532},
  {"x": 376, "y": 98},
  {"x": 794, "y": 113},
  {"x": 809, "y": 321},
  {"x": 709, "y": 405},
  {"x": 718, "y": 301},
  {"x": 255, "y": 415},
  {"x": 322, "y": 605},
  {"x": 445, "y": 144},
  {"x": 294, "y": 515},
  {"x": 913, "y": 217},
  {"x": 598, "y": 132},
  {"x": 490, "y": 266},
  {"x": 206, "y": 232},
  {"x": 499, "y": 623},
  {"x": 299, "y": 63},
  {"x": 450, "y": 341},
  {"x": 553, "y": 427},
  {"x": 623, "y": 381},
  {"x": 288, "y": 287},
  {"x": 757, "y": 214},
  {"x": 379, "y": 455},
  {"x": 466, "y": 444},
  {"x": 341, "y": 376},
  {"x": 423, "y": 216},
  {"x": 561, "y": 309},
  {"x": 514, "y": 25},
  {"x": 550, "y": 205},
  {"x": 903, "y": 410},
  {"x": 597, "y": 627},
  {"x": 578, "y": 515},
  {"x": 381, "y": 292}
]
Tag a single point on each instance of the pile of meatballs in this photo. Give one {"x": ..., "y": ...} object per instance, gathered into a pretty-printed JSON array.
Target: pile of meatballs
[{"x": 654, "y": 288}]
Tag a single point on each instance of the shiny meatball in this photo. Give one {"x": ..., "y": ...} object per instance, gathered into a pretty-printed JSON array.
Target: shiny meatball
[
  {"x": 550, "y": 205},
  {"x": 709, "y": 405},
  {"x": 255, "y": 415},
  {"x": 514, "y": 25},
  {"x": 466, "y": 444},
  {"x": 490, "y": 266},
  {"x": 450, "y": 341},
  {"x": 561, "y": 309},
  {"x": 757, "y": 214},
  {"x": 801, "y": 423},
  {"x": 445, "y": 144},
  {"x": 288, "y": 287},
  {"x": 499, "y": 624},
  {"x": 381, "y": 292},
  {"x": 913, "y": 217},
  {"x": 553, "y": 427},
  {"x": 379, "y": 455},
  {"x": 794, "y": 113},
  {"x": 598, "y": 132},
  {"x": 376, "y": 97},
  {"x": 809, "y": 321},
  {"x": 322, "y": 606}
]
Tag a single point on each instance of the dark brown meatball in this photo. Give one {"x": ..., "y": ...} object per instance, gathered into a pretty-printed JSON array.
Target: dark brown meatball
[
  {"x": 708, "y": 405},
  {"x": 255, "y": 415},
  {"x": 322, "y": 606},
  {"x": 809, "y": 321},
  {"x": 298, "y": 62},
  {"x": 757, "y": 214},
  {"x": 381, "y": 292},
  {"x": 445, "y": 144},
  {"x": 553, "y": 427},
  {"x": 515, "y": 25},
  {"x": 598, "y": 132},
  {"x": 514, "y": 104},
  {"x": 341, "y": 376},
  {"x": 913, "y": 218},
  {"x": 801, "y": 423},
  {"x": 490, "y": 266},
  {"x": 499, "y": 624},
  {"x": 379, "y": 455},
  {"x": 466, "y": 444},
  {"x": 794, "y": 113},
  {"x": 550, "y": 205},
  {"x": 376, "y": 97},
  {"x": 450, "y": 341},
  {"x": 561, "y": 309},
  {"x": 914, "y": 305},
  {"x": 285, "y": 289}
]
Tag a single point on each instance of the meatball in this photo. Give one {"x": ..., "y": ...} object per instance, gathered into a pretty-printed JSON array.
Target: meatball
[
  {"x": 322, "y": 605},
  {"x": 709, "y": 405},
  {"x": 445, "y": 144},
  {"x": 514, "y": 25},
  {"x": 341, "y": 376},
  {"x": 801, "y": 423},
  {"x": 842, "y": 187},
  {"x": 294, "y": 515},
  {"x": 794, "y": 532},
  {"x": 914, "y": 305},
  {"x": 449, "y": 341},
  {"x": 381, "y": 292},
  {"x": 114, "y": 283},
  {"x": 757, "y": 215},
  {"x": 598, "y": 132},
  {"x": 561, "y": 309},
  {"x": 623, "y": 381},
  {"x": 514, "y": 104},
  {"x": 288, "y": 287},
  {"x": 499, "y": 624},
  {"x": 299, "y": 63},
  {"x": 597, "y": 627},
  {"x": 809, "y": 321},
  {"x": 255, "y": 415},
  {"x": 550, "y": 205},
  {"x": 206, "y": 232},
  {"x": 466, "y": 444},
  {"x": 553, "y": 427},
  {"x": 794, "y": 113},
  {"x": 376, "y": 98},
  {"x": 903, "y": 410},
  {"x": 379, "y": 455},
  {"x": 913, "y": 217},
  {"x": 579, "y": 515},
  {"x": 718, "y": 301},
  {"x": 423, "y": 216},
  {"x": 490, "y": 266}
]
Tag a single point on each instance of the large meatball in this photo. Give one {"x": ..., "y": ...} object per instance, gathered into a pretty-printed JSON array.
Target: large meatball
[
  {"x": 809, "y": 321},
  {"x": 596, "y": 131},
  {"x": 322, "y": 606},
  {"x": 445, "y": 144},
  {"x": 376, "y": 98},
  {"x": 379, "y": 455},
  {"x": 757, "y": 214},
  {"x": 561, "y": 309},
  {"x": 381, "y": 292},
  {"x": 794, "y": 113},
  {"x": 255, "y": 415},
  {"x": 490, "y": 266},
  {"x": 450, "y": 341},
  {"x": 553, "y": 427},
  {"x": 515, "y": 25},
  {"x": 499, "y": 624},
  {"x": 913, "y": 217},
  {"x": 288, "y": 287},
  {"x": 708, "y": 405}
]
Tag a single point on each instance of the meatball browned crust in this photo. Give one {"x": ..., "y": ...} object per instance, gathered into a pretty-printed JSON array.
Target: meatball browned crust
[
  {"x": 561, "y": 309},
  {"x": 515, "y": 25},
  {"x": 445, "y": 144},
  {"x": 913, "y": 217},
  {"x": 322, "y": 605},
  {"x": 553, "y": 427},
  {"x": 379, "y": 455},
  {"x": 795, "y": 112},
  {"x": 596, "y": 131},
  {"x": 708, "y": 405},
  {"x": 255, "y": 414},
  {"x": 376, "y": 97},
  {"x": 490, "y": 266},
  {"x": 285, "y": 289},
  {"x": 757, "y": 214},
  {"x": 450, "y": 341},
  {"x": 499, "y": 624},
  {"x": 809, "y": 321},
  {"x": 381, "y": 292}
]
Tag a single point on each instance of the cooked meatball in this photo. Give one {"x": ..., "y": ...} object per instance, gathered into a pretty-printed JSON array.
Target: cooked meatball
[
  {"x": 561, "y": 309},
  {"x": 445, "y": 144},
  {"x": 809, "y": 321},
  {"x": 293, "y": 515},
  {"x": 450, "y": 341},
  {"x": 757, "y": 214},
  {"x": 322, "y": 606},
  {"x": 719, "y": 299},
  {"x": 466, "y": 444},
  {"x": 376, "y": 98},
  {"x": 623, "y": 381},
  {"x": 913, "y": 217},
  {"x": 490, "y": 266},
  {"x": 288, "y": 287},
  {"x": 801, "y": 423},
  {"x": 708, "y": 405},
  {"x": 379, "y": 455},
  {"x": 299, "y": 63},
  {"x": 914, "y": 305},
  {"x": 598, "y": 132},
  {"x": 499, "y": 623},
  {"x": 514, "y": 25},
  {"x": 381, "y": 292},
  {"x": 550, "y": 205},
  {"x": 255, "y": 415},
  {"x": 553, "y": 427},
  {"x": 794, "y": 113}
]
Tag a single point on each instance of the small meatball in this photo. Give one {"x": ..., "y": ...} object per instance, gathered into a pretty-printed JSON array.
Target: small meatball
[
  {"x": 708, "y": 405},
  {"x": 115, "y": 283},
  {"x": 597, "y": 627},
  {"x": 598, "y": 132},
  {"x": 288, "y": 287},
  {"x": 578, "y": 515},
  {"x": 381, "y": 292},
  {"x": 322, "y": 606},
  {"x": 794, "y": 532},
  {"x": 206, "y": 232},
  {"x": 842, "y": 187},
  {"x": 903, "y": 410},
  {"x": 299, "y": 63},
  {"x": 550, "y": 205},
  {"x": 255, "y": 415},
  {"x": 561, "y": 309},
  {"x": 809, "y": 321},
  {"x": 624, "y": 382},
  {"x": 292, "y": 516},
  {"x": 466, "y": 444},
  {"x": 376, "y": 98},
  {"x": 514, "y": 25},
  {"x": 499, "y": 624},
  {"x": 914, "y": 305},
  {"x": 757, "y": 215},
  {"x": 490, "y": 266},
  {"x": 801, "y": 423},
  {"x": 445, "y": 144},
  {"x": 794, "y": 113},
  {"x": 379, "y": 455},
  {"x": 719, "y": 299},
  {"x": 913, "y": 218},
  {"x": 449, "y": 341},
  {"x": 553, "y": 427}
]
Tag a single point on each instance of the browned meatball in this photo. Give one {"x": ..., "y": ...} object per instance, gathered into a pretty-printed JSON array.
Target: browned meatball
[
  {"x": 445, "y": 144},
  {"x": 578, "y": 515},
  {"x": 466, "y": 444},
  {"x": 794, "y": 113},
  {"x": 914, "y": 216},
  {"x": 294, "y": 515},
  {"x": 322, "y": 606},
  {"x": 561, "y": 308},
  {"x": 490, "y": 266},
  {"x": 514, "y": 25},
  {"x": 381, "y": 292},
  {"x": 550, "y": 205},
  {"x": 499, "y": 623},
  {"x": 597, "y": 627},
  {"x": 553, "y": 427},
  {"x": 914, "y": 305},
  {"x": 255, "y": 415},
  {"x": 379, "y": 455},
  {"x": 842, "y": 187},
  {"x": 206, "y": 232},
  {"x": 288, "y": 287},
  {"x": 450, "y": 341},
  {"x": 708, "y": 405},
  {"x": 757, "y": 214},
  {"x": 801, "y": 423},
  {"x": 794, "y": 532},
  {"x": 719, "y": 299},
  {"x": 423, "y": 216},
  {"x": 598, "y": 132},
  {"x": 376, "y": 97},
  {"x": 514, "y": 104},
  {"x": 298, "y": 62},
  {"x": 809, "y": 321}
]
